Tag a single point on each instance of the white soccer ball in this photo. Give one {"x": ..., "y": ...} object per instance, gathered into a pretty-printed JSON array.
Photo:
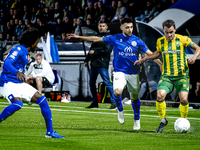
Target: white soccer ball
[{"x": 182, "y": 125}]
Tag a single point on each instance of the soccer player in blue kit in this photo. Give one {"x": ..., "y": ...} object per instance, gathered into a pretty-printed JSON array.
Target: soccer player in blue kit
[
  {"x": 13, "y": 87},
  {"x": 126, "y": 47}
]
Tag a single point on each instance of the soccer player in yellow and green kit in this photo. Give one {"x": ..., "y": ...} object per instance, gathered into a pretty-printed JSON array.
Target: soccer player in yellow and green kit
[{"x": 175, "y": 71}]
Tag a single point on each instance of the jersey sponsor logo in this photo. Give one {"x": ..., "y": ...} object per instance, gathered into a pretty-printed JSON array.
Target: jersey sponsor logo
[
  {"x": 15, "y": 53},
  {"x": 134, "y": 43},
  {"x": 12, "y": 56},
  {"x": 127, "y": 52},
  {"x": 120, "y": 40},
  {"x": 172, "y": 52}
]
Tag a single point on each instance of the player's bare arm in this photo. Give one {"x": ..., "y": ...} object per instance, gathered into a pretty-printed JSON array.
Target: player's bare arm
[
  {"x": 150, "y": 56},
  {"x": 94, "y": 39},
  {"x": 197, "y": 53}
]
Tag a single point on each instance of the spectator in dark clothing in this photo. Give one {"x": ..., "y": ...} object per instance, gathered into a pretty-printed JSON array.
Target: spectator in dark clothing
[
  {"x": 15, "y": 14},
  {"x": 19, "y": 29},
  {"x": 47, "y": 15},
  {"x": 8, "y": 37},
  {"x": 67, "y": 25},
  {"x": 132, "y": 9},
  {"x": 111, "y": 10},
  {"x": 57, "y": 12},
  {"x": 33, "y": 16},
  {"x": 3, "y": 18},
  {"x": 58, "y": 29},
  {"x": 99, "y": 55},
  {"x": 12, "y": 27},
  {"x": 26, "y": 14},
  {"x": 100, "y": 11},
  {"x": 2, "y": 37},
  {"x": 70, "y": 13},
  {"x": 79, "y": 13},
  {"x": 89, "y": 10}
]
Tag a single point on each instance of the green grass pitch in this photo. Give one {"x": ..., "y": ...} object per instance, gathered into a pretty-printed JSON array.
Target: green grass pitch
[{"x": 95, "y": 129}]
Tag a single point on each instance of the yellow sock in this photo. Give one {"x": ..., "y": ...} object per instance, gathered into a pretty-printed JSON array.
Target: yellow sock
[
  {"x": 161, "y": 107},
  {"x": 184, "y": 107}
]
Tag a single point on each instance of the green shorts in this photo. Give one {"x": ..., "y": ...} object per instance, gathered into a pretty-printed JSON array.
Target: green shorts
[{"x": 168, "y": 84}]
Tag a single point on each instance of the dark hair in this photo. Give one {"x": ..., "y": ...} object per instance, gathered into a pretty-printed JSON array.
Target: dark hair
[
  {"x": 168, "y": 23},
  {"x": 29, "y": 37},
  {"x": 126, "y": 20},
  {"x": 103, "y": 21}
]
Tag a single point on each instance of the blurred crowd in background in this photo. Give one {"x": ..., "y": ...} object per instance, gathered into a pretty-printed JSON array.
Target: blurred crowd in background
[{"x": 61, "y": 17}]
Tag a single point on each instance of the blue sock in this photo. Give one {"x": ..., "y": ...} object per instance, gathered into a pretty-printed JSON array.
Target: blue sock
[
  {"x": 118, "y": 101},
  {"x": 136, "y": 109},
  {"x": 46, "y": 112},
  {"x": 11, "y": 109}
]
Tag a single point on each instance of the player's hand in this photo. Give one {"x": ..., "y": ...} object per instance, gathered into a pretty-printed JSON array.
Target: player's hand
[
  {"x": 139, "y": 62},
  {"x": 21, "y": 77},
  {"x": 197, "y": 88},
  {"x": 191, "y": 60},
  {"x": 69, "y": 36},
  {"x": 91, "y": 52},
  {"x": 86, "y": 64}
]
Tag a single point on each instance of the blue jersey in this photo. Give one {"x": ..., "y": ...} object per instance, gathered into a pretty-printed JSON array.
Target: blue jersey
[
  {"x": 15, "y": 62},
  {"x": 126, "y": 51}
]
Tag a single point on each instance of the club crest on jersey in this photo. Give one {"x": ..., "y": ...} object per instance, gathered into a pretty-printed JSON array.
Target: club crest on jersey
[
  {"x": 15, "y": 53},
  {"x": 134, "y": 43},
  {"x": 19, "y": 48}
]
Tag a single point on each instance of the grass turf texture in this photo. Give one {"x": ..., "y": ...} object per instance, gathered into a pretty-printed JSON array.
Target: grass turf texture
[{"x": 95, "y": 129}]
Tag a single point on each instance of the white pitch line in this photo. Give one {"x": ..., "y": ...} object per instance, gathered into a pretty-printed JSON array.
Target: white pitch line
[
  {"x": 105, "y": 113},
  {"x": 94, "y": 108}
]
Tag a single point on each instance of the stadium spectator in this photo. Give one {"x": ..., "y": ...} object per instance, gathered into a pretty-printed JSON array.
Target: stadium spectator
[
  {"x": 26, "y": 14},
  {"x": 19, "y": 29},
  {"x": 100, "y": 11},
  {"x": 6, "y": 28},
  {"x": 10, "y": 14},
  {"x": 89, "y": 10},
  {"x": 57, "y": 12},
  {"x": 50, "y": 4},
  {"x": 41, "y": 73},
  {"x": 147, "y": 12},
  {"x": 177, "y": 74},
  {"x": 15, "y": 14},
  {"x": 159, "y": 8},
  {"x": 63, "y": 36},
  {"x": 88, "y": 22},
  {"x": 132, "y": 9},
  {"x": 12, "y": 82},
  {"x": 67, "y": 25},
  {"x": 111, "y": 10},
  {"x": 8, "y": 37},
  {"x": 2, "y": 37},
  {"x": 12, "y": 27},
  {"x": 27, "y": 24},
  {"x": 120, "y": 10},
  {"x": 103, "y": 18},
  {"x": 59, "y": 28},
  {"x": 70, "y": 12},
  {"x": 3, "y": 18},
  {"x": 14, "y": 38},
  {"x": 46, "y": 15},
  {"x": 33, "y": 16},
  {"x": 79, "y": 23}
]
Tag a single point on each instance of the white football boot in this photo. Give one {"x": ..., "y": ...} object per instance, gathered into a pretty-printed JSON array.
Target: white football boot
[
  {"x": 121, "y": 117},
  {"x": 136, "y": 125}
]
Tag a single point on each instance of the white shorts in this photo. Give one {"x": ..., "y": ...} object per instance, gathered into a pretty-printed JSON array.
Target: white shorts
[
  {"x": 132, "y": 81},
  {"x": 22, "y": 90}
]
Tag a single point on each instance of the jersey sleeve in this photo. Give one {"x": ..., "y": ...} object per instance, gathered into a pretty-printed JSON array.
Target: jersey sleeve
[
  {"x": 108, "y": 40},
  {"x": 158, "y": 46},
  {"x": 188, "y": 42},
  {"x": 11, "y": 59},
  {"x": 143, "y": 46}
]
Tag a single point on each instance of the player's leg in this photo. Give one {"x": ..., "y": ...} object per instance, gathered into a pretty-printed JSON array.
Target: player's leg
[
  {"x": 119, "y": 83},
  {"x": 182, "y": 87},
  {"x": 93, "y": 77},
  {"x": 165, "y": 86},
  {"x": 9, "y": 92},
  {"x": 106, "y": 79},
  {"x": 31, "y": 94},
  {"x": 134, "y": 88}
]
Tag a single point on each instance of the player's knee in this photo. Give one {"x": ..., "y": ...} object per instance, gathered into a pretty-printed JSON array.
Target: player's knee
[
  {"x": 183, "y": 100},
  {"x": 38, "y": 79},
  {"x": 118, "y": 92},
  {"x": 161, "y": 94}
]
